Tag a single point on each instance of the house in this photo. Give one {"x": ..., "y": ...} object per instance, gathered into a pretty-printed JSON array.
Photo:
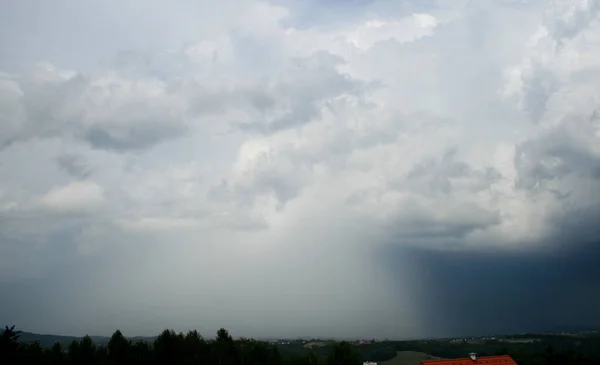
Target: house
[{"x": 473, "y": 359}]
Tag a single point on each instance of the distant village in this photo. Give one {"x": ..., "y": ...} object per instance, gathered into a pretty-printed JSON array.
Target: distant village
[
  {"x": 310, "y": 343},
  {"x": 319, "y": 342}
]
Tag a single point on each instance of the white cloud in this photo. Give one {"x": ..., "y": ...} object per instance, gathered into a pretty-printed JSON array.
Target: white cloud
[
  {"x": 405, "y": 30},
  {"x": 76, "y": 196}
]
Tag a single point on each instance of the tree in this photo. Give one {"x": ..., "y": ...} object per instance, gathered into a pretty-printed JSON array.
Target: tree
[
  {"x": 343, "y": 354},
  {"x": 168, "y": 348},
  {"x": 312, "y": 358},
  {"x": 224, "y": 336},
  {"x": 274, "y": 357},
  {"x": 31, "y": 353},
  {"x": 196, "y": 349},
  {"x": 87, "y": 350},
  {"x": 251, "y": 352},
  {"x": 224, "y": 349},
  {"x": 9, "y": 345},
  {"x": 118, "y": 349},
  {"x": 73, "y": 353},
  {"x": 141, "y": 353},
  {"x": 55, "y": 355}
]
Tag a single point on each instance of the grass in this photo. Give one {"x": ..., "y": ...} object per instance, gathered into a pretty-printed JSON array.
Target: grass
[
  {"x": 409, "y": 358},
  {"x": 315, "y": 344}
]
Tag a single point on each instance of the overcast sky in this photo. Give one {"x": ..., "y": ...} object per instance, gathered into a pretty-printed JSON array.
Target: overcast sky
[{"x": 299, "y": 168}]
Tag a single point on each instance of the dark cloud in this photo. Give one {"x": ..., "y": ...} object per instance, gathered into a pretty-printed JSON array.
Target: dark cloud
[
  {"x": 438, "y": 174},
  {"x": 416, "y": 225},
  {"x": 575, "y": 225},
  {"x": 563, "y": 150},
  {"x": 314, "y": 80},
  {"x": 567, "y": 27},
  {"x": 503, "y": 291},
  {"x": 121, "y": 115},
  {"x": 74, "y": 165},
  {"x": 136, "y": 138},
  {"x": 538, "y": 88}
]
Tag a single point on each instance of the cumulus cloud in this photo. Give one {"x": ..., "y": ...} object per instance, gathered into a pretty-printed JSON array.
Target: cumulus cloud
[{"x": 272, "y": 158}]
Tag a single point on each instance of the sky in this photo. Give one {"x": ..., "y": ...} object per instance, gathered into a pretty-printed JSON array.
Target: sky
[{"x": 284, "y": 168}]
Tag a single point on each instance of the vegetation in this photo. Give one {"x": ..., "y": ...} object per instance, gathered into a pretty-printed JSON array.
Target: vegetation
[
  {"x": 191, "y": 348},
  {"x": 168, "y": 348}
]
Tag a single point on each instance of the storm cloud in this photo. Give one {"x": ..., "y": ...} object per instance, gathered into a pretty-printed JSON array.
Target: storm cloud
[{"x": 324, "y": 168}]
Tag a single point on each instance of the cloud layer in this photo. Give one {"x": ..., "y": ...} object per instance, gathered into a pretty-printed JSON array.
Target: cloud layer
[{"x": 282, "y": 173}]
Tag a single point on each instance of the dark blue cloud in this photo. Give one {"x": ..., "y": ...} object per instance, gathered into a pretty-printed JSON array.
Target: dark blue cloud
[{"x": 504, "y": 291}]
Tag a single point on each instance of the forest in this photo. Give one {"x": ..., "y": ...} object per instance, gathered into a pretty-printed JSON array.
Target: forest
[
  {"x": 168, "y": 348},
  {"x": 173, "y": 348}
]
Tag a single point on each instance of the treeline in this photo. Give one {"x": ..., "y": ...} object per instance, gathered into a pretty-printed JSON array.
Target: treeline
[
  {"x": 168, "y": 348},
  {"x": 191, "y": 348}
]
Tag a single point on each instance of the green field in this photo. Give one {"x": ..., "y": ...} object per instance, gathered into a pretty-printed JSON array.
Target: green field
[{"x": 409, "y": 358}]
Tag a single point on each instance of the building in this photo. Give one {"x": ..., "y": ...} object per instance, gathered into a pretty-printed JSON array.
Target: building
[{"x": 473, "y": 359}]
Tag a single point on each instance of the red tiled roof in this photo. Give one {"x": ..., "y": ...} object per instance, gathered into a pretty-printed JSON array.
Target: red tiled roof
[{"x": 487, "y": 360}]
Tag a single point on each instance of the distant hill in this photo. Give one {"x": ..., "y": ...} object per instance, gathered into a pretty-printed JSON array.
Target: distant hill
[
  {"x": 49, "y": 340},
  {"x": 571, "y": 329}
]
